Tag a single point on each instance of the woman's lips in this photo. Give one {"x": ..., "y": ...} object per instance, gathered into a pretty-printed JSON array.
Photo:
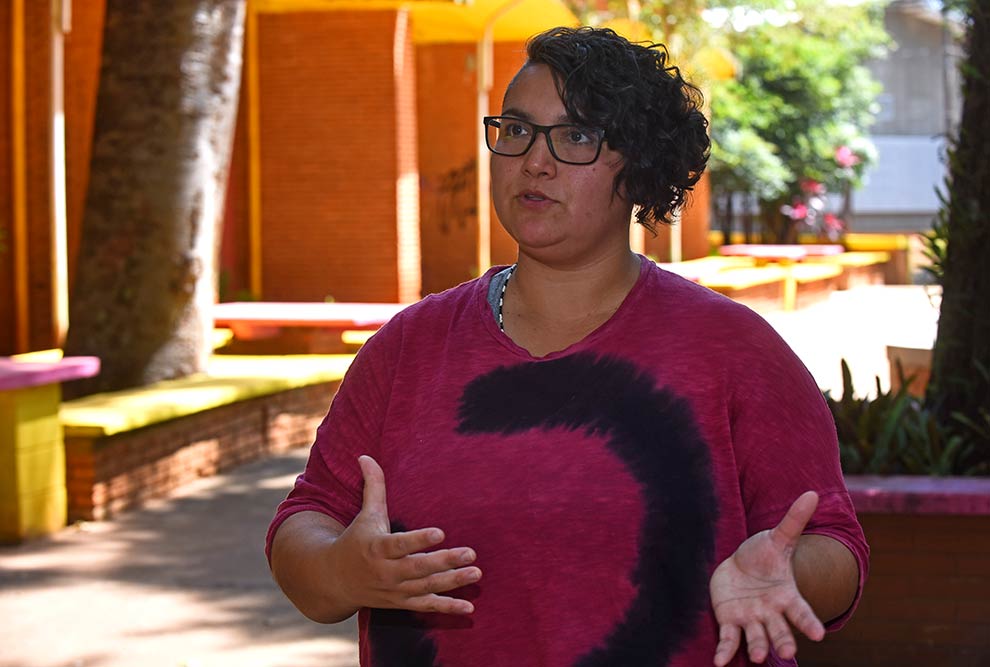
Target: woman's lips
[{"x": 535, "y": 199}]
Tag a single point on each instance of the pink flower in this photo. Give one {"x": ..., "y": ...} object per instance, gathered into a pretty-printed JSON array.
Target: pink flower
[
  {"x": 834, "y": 222},
  {"x": 845, "y": 157},
  {"x": 799, "y": 212},
  {"x": 812, "y": 187}
]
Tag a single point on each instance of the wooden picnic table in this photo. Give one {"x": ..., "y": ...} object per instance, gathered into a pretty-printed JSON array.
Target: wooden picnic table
[
  {"x": 251, "y": 320},
  {"x": 785, "y": 255}
]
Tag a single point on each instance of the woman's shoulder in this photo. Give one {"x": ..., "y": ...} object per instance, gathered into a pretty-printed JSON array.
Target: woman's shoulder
[
  {"x": 434, "y": 313},
  {"x": 691, "y": 299}
]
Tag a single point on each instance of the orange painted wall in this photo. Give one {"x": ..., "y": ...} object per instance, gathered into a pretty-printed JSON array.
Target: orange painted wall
[
  {"x": 446, "y": 108},
  {"x": 695, "y": 221},
  {"x": 7, "y": 328},
  {"x": 38, "y": 188},
  {"x": 83, "y": 47},
  {"x": 330, "y": 164},
  {"x": 234, "y": 271},
  {"x": 509, "y": 57}
]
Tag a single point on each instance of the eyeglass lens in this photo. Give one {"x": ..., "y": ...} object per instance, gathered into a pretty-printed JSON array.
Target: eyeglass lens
[{"x": 568, "y": 143}]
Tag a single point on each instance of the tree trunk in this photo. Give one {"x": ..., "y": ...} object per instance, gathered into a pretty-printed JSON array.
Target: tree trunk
[
  {"x": 963, "y": 342},
  {"x": 145, "y": 283},
  {"x": 727, "y": 218}
]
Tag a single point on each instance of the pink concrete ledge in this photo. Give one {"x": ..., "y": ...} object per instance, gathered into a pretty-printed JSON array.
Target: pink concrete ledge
[
  {"x": 904, "y": 494},
  {"x": 22, "y": 374}
]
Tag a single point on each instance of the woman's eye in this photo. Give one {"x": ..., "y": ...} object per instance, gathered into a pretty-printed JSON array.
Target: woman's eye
[
  {"x": 515, "y": 129},
  {"x": 578, "y": 136}
]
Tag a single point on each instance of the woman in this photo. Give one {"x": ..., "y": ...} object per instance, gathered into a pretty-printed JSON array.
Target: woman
[{"x": 641, "y": 468}]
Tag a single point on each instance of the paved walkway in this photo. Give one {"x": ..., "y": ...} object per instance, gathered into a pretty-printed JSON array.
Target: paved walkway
[{"x": 183, "y": 582}]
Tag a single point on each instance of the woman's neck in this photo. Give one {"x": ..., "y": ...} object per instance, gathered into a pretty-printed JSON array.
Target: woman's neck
[{"x": 548, "y": 308}]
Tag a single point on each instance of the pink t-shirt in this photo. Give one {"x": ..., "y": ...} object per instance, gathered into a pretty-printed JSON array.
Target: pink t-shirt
[{"x": 599, "y": 485}]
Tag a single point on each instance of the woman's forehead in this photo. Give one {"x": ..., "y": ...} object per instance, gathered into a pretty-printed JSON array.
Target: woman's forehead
[{"x": 533, "y": 92}]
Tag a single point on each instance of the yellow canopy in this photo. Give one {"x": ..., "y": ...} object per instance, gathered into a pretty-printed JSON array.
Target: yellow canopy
[
  {"x": 447, "y": 21},
  {"x": 511, "y": 20}
]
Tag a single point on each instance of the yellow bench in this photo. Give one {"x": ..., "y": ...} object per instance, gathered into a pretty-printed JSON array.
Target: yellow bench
[
  {"x": 228, "y": 379},
  {"x": 859, "y": 267},
  {"x": 124, "y": 447},
  {"x": 761, "y": 288}
]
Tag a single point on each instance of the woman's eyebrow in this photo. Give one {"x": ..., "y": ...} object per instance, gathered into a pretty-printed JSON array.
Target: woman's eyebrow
[
  {"x": 562, "y": 119},
  {"x": 517, "y": 113}
]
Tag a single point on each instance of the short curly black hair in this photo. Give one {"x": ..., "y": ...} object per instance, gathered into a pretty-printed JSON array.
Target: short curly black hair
[{"x": 650, "y": 114}]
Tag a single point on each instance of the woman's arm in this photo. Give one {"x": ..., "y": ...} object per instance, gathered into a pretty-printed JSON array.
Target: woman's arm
[{"x": 827, "y": 575}]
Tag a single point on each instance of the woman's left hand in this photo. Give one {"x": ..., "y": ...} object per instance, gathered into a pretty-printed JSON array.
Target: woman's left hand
[{"x": 754, "y": 591}]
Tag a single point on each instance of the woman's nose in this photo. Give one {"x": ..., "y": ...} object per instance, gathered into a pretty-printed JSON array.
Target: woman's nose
[{"x": 538, "y": 158}]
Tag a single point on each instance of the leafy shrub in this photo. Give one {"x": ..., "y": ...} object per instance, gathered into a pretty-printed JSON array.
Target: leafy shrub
[{"x": 896, "y": 433}]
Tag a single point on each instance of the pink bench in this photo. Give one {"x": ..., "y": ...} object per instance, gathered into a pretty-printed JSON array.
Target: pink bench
[{"x": 269, "y": 327}]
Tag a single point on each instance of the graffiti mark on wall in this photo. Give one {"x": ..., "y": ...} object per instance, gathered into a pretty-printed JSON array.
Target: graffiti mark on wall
[{"x": 455, "y": 198}]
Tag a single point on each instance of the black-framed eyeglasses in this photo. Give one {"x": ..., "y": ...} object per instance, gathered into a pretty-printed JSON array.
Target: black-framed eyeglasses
[{"x": 569, "y": 143}]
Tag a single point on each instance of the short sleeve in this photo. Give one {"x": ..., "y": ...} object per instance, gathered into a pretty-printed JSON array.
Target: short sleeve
[
  {"x": 785, "y": 443},
  {"x": 331, "y": 482}
]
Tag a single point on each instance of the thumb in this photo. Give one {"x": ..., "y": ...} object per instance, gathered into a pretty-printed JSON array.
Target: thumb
[
  {"x": 374, "y": 488},
  {"x": 792, "y": 525}
]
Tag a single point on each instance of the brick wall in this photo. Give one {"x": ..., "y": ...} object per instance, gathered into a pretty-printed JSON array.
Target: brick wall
[
  {"x": 107, "y": 475},
  {"x": 927, "y": 601},
  {"x": 330, "y": 106},
  {"x": 448, "y": 137},
  {"x": 37, "y": 173},
  {"x": 446, "y": 108}
]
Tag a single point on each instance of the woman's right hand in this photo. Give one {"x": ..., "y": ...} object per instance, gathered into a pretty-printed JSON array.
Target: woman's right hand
[{"x": 376, "y": 568}]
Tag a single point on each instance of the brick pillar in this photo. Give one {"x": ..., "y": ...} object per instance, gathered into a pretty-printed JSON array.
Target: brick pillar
[
  {"x": 26, "y": 296},
  {"x": 339, "y": 218}
]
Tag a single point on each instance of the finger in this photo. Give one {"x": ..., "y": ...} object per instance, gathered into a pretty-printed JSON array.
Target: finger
[
  {"x": 792, "y": 525},
  {"x": 728, "y": 644},
  {"x": 756, "y": 640},
  {"x": 373, "y": 501},
  {"x": 400, "y": 545},
  {"x": 439, "y": 604},
  {"x": 419, "y": 565},
  {"x": 781, "y": 637},
  {"x": 803, "y": 617},
  {"x": 441, "y": 582}
]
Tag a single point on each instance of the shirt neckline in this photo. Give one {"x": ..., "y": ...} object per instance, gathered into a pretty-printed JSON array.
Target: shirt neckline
[{"x": 507, "y": 343}]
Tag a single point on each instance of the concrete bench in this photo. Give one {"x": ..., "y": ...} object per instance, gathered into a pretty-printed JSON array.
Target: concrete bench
[{"x": 125, "y": 447}]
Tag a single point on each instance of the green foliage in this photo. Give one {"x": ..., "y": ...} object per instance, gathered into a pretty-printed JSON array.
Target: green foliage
[
  {"x": 804, "y": 91},
  {"x": 895, "y": 433},
  {"x": 936, "y": 241},
  {"x": 743, "y": 161}
]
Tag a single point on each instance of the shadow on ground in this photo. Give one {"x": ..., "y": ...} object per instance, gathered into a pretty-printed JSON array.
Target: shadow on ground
[{"x": 182, "y": 582}]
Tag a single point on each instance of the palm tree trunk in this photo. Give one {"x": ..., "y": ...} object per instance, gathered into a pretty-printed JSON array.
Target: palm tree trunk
[{"x": 963, "y": 343}]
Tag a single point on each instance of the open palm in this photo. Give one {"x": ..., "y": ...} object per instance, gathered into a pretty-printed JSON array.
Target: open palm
[{"x": 754, "y": 591}]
